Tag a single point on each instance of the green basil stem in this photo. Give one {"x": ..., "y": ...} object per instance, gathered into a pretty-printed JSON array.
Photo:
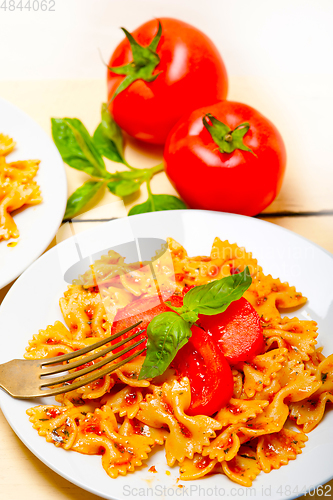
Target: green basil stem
[
  {"x": 150, "y": 195},
  {"x": 142, "y": 173},
  {"x": 129, "y": 166},
  {"x": 152, "y": 172},
  {"x": 78, "y": 199},
  {"x": 155, "y": 170}
]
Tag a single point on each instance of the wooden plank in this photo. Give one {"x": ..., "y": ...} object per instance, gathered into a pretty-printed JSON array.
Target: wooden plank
[
  {"x": 318, "y": 229},
  {"x": 22, "y": 475}
]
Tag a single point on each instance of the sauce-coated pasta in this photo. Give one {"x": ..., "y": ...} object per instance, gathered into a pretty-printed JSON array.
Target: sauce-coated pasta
[{"x": 123, "y": 418}]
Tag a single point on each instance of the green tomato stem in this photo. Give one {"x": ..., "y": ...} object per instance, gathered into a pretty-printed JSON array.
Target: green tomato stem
[{"x": 226, "y": 139}]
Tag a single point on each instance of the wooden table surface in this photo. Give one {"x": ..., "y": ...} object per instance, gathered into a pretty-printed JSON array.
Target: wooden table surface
[{"x": 305, "y": 206}]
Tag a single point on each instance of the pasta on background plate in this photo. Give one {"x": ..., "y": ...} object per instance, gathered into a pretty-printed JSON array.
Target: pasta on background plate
[
  {"x": 278, "y": 396},
  {"x": 17, "y": 187}
]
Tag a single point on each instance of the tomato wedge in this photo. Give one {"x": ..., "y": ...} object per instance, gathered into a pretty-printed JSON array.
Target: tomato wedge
[
  {"x": 142, "y": 309},
  {"x": 237, "y": 331},
  {"x": 208, "y": 371}
]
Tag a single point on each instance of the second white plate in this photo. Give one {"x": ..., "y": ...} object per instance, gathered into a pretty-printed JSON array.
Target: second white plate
[{"x": 37, "y": 224}]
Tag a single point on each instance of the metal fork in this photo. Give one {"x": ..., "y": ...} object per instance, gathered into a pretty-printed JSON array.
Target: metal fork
[{"x": 25, "y": 379}]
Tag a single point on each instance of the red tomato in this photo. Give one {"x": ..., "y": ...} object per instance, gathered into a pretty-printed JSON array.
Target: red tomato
[
  {"x": 142, "y": 309},
  {"x": 237, "y": 331},
  {"x": 192, "y": 74},
  {"x": 208, "y": 371},
  {"x": 200, "y": 359},
  {"x": 238, "y": 182}
]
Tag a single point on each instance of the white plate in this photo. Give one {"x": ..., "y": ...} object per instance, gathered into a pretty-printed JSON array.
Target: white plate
[
  {"x": 37, "y": 224},
  {"x": 32, "y": 303}
]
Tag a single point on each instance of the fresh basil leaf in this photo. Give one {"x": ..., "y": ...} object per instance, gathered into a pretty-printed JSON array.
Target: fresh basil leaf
[
  {"x": 105, "y": 146},
  {"x": 76, "y": 147},
  {"x": 108, "y": 137},
  {"x": 124, "y": 187},
  {"x": 80, "y": 198},
  {"x": 112, "y": 130},
  {"x": 167, "y": 333},
  {"x": 215, "y": 297},
  {"x": 157, "y": 203}
]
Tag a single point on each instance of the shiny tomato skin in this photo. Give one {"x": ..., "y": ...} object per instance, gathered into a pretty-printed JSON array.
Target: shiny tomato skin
[
  {"x": 208, "y": 371},
  {"x": 237, "y": 331},
  {"x": 192, "y": 74},
  {"x": 238, "y": 182},
  {"x": 143, "y": 310}
]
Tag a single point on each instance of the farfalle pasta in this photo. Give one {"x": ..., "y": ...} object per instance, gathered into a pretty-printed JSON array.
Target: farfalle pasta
[
  {"x": 123, "y": 418},
  {"x": 17, "y": 188}
]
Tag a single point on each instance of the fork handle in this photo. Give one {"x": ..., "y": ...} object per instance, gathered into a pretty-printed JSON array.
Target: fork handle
[{"x": 16, "y": 377}]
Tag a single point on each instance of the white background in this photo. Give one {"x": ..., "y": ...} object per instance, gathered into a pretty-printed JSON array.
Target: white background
[
  {"x": 278, "y": 54},
  {"x": 257, "y": 37}
]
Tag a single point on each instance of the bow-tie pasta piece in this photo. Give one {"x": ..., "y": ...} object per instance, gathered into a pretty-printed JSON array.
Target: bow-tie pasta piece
[
  {"x": 17, "y": 188},
  {"x": 242, "y": 469},
  {"x": 308, "y": 413},
  {"x": 51, "y": 342},
  {"x": 124, "y": 402},
  {"x": 239, "y": 411},
  {"x": 134, "y": 426},
  {"x": 275, "y": 450},
  {"x": 167, "y": 407},
  {"x": 297, "y": 335},
  {"x": 196, "y": 467},
  {"x": 225, "y": 446},
  {"x": 262, "y": 370}
]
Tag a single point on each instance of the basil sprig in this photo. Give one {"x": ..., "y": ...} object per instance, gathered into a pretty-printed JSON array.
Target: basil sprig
[
  {"x": 83, "y": 152},
  {"x": 108, "y": 138},
  {"x": 77, "y": 148},
  {"x": 169, "y": 331}
]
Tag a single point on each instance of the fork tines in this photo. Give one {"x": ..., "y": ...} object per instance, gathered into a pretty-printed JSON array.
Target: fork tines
[{"x": 107, "y": 360}]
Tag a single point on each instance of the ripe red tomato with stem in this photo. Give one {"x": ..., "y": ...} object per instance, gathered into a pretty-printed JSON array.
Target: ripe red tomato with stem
[
  {"x": 226, "y": 157},
  {"x": 176, "y": 69}
]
